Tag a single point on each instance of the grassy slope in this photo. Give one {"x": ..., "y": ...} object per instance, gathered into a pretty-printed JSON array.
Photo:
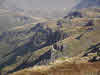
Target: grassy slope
[
  {"x": 74, "y": 46},
  {"x": 64, "y": 68}
]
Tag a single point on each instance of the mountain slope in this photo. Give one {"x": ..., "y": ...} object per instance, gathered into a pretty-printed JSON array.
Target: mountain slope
[
  {"x": 88, "y": 4},
  {"x": 43, "y": 43},
  {"x": 10, "y": 19}
]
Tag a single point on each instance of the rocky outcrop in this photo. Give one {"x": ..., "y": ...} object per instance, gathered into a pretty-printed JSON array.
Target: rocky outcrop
[{"x": 93, "y": 53}]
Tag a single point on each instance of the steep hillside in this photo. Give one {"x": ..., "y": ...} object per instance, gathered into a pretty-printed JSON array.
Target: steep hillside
[
  {"x": 86, "y": 63},
  {"x": 22, "y": 43},
  {"x": 49, "y": 40}
]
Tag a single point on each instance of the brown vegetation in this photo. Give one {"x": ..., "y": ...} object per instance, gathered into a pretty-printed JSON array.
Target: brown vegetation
[{"x": 63, "y": 69}]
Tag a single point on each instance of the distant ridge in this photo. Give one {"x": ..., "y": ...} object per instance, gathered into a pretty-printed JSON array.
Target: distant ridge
[{"x": 87, "y": 4}]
